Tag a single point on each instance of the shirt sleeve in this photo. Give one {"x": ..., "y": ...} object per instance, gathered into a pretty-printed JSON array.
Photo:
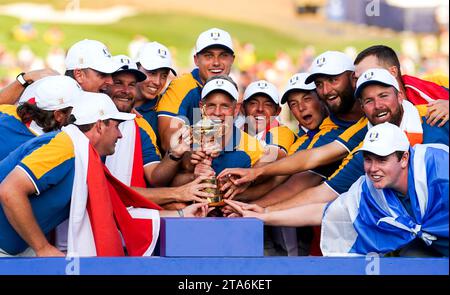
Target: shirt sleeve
[
  {"x": 48, "y": 165},
  {"x": 281, "y": 137}
]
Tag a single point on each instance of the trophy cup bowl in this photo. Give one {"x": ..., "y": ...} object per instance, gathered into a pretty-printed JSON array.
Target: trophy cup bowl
[{"x": 208, "y": 131}]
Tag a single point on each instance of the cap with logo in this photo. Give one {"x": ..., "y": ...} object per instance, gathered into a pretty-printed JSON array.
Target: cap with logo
[
  {"x": 330, "y": 63},
  {"x": 91, "y": 54},
  {"x": 219, "y": 84},
  {"x": 214, "y": 37},
  {"x": 375, "y": 76},
  {"x": 52, "y": 93},
  {"x": 92, "y": 107},
  {"x": 153, "y": 56},
  {"x": 262, "y": 87},
  {"x": 297, "y": 82},
  {"x": 128, "y": 66},
  {"x": 385, "y": 139}
]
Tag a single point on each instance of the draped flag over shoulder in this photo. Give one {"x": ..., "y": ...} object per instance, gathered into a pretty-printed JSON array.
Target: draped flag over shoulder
[
  {"x": 366, "y": 219},
  {"x": 126, "y": 163},
  {"x": 419, "y": 91},
  {"x": 101, "y": 206}
]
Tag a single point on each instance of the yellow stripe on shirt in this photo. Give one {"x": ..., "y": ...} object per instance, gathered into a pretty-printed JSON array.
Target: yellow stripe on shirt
[
  {"x": 326, "y": 126},
  {"x": 142, "y": 123},
  {"x": 352, "y": 130},
  {"x": 175, "y": 93},
  {"x": 58, "y": 150},
  {"x": 283, "y": 137},
  {"x": 9, "y": 109},
  {"x": 251, "y": 146}
]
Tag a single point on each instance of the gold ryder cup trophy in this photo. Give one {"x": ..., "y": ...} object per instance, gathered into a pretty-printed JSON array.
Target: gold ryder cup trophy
[{"x": 207, "y": 132}]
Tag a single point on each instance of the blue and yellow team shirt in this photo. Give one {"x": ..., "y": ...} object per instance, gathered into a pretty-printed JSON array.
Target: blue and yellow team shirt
[
  {"x": 148, "y": 112},
  {"x": 243, "y": 151},
  {"x": 48, "y": 160},
  {"x": 150, "y": 151},
  {"x": 352, "y": 167},
  {"x": 282, "y": 137},
  {"x": 13, "y": 132},
  {"x": 330, "y": 128},
  {"x": 182, "y": 97}
]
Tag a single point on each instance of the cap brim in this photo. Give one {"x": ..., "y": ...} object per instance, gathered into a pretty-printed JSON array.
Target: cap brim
[
  {"x": 221, "y": 90},
  {"x": 107, "y": 68},
  {"x": 138, "y": 74},
  {"x": 370, "y": 82},
  {"x": 153, "y": 67},
  {"x": 284, "y": 98},
  {"x": 260, "y": 93},
  {"x": 223, "y": 46},
  {"x": 121, "y": 116}
]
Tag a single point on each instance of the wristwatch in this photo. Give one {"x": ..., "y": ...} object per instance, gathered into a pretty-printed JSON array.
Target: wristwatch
[
  {"x": 173, "y": 158},
  {"x": 22, "y": 80}
]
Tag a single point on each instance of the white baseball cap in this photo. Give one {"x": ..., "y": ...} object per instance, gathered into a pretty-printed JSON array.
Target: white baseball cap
[
  {"x": 127, "y": 65},
  {"x": 330, "y": 63},
  {"x": 262, "y": 87},
  {"x": 52, "y": 93},
  {"x": 90, "y": 54},
  {"x": 297, "y": 82},
  {"x": 212, "y": 37},
  {"x": 92, "y": 107},
  {"x": 219, "y": 84},
  {"x": 385, "y": 139},
  {"x": 375, "y": 76},
  {"x": 153, "y": 56}
]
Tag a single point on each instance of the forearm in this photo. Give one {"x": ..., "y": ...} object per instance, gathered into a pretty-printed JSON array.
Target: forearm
[
  {"x": 256, "y": 191},
  {"x": 294, "y": 185},
  {"x": 182, "y": 178},
  {"x": 11, "y": 93},
  {"x": 169, "y": 213},
  {"x": 308, "y": 215},
  {"x": 164, "y": 172},
  {"x": 306, "y": 160},
  {"x": 158, "y": 195},
  {"x": 317, "y": 194}
]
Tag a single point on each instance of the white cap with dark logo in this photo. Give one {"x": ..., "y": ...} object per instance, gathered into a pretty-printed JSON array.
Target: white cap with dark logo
[
  {"x": 262, "y": 87},
  {"x": 153, "y": 56},
  {"x": 214, "y": 37},
  {"x": 90, "y": 54},
  {"x": 375, "y": 76},
  {"x": 52, "y": 93},
  {"x": 385, "y": 139},
  {"x": 129, "y": 66},
  {"x": 297, "y": 82},
  {"x": 330, "y": 63},
  {"x": 92, "y": 107},
  {"x": 219, "y": 84}
]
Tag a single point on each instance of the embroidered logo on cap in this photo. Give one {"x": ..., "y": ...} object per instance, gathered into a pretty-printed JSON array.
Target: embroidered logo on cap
[
  {"x": 61, "y": 100},
  {"x": 215, "y": 35},
  {"x": 262, "y": 85},
  {"x": 162, "y": 53},
  {"x": 373, "y": 136},
  {"x": 219, "y": 83},
  {"x": 294, "y": 80},
  {"x": 101, "y": 112},
  {"x": 368, "y": 75},
  {"x": 106, "y": 52},
  {"x": 125, "y": 60},
  {"x": 320, "y": 61}
]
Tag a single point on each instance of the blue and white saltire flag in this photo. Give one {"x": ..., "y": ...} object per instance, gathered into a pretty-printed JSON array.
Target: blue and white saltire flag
[{"x": 366, "y": 219}]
